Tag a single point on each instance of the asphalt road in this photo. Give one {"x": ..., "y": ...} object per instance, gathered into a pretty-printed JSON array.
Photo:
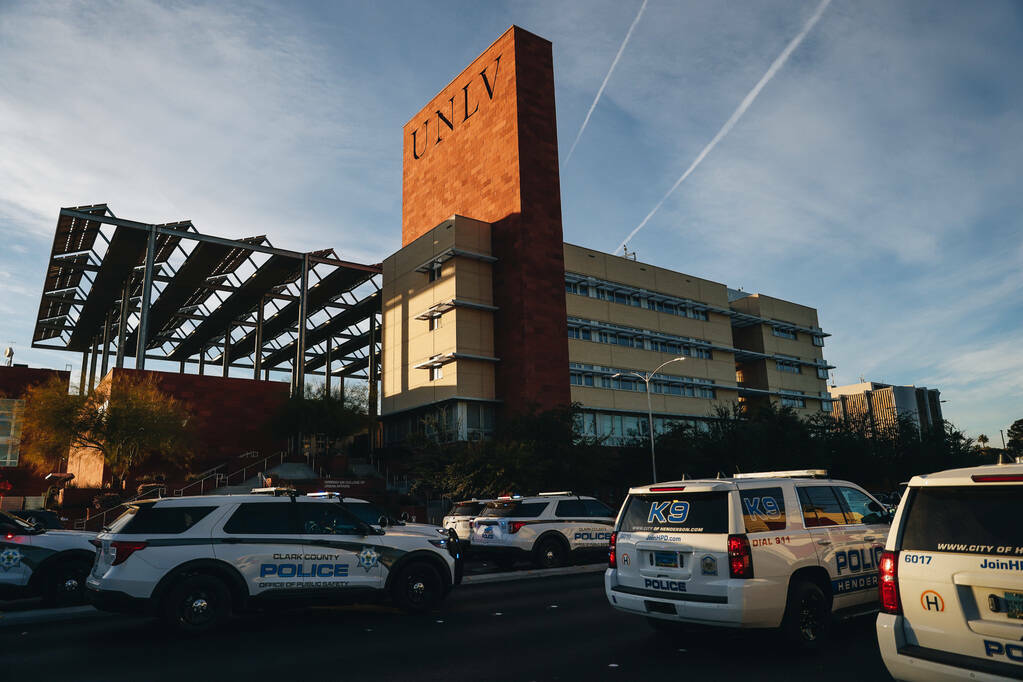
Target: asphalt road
[{"x": 542, "y": 629}]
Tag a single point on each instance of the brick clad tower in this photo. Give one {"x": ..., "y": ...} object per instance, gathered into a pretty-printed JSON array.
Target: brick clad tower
[{"x": 486, "y": 147}]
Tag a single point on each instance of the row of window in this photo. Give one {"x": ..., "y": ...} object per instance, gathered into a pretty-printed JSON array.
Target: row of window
[
  {"x": 618, "y": 429},
  {"x": 789, "y": 333},
  {"x": 605, "y": 293},
  {"x": 792, "y": 398},
  {"x": 636, "y": 339},
  {"x": 10, "y": 436},
  {"x": 601, "y": 377}
]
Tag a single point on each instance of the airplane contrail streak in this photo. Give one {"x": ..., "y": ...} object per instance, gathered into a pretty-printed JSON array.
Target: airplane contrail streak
[
  {"x": 603, "y": 85},
  {"x": 736, "y": 115}
]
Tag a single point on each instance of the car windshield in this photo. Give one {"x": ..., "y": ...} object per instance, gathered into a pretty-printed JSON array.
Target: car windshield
[
  {"x": 514, "y": 508},
  {"x": 367, "y": 512},
  {"x": 466, "y": 509},
  {"x": 12, "y": 520},
  {"x": 976, "y": 519}
]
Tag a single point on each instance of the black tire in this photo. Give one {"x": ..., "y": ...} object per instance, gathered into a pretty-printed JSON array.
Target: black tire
[
  {"x": 417, "y": 588},
  {"x": 64, "y": 585},
  {"x": 196, "y": 603},
  {"x": 807, "y": 621},
  {"x": 550, "y": 553}
]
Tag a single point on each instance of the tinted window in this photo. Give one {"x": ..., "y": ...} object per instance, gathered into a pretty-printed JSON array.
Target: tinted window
[
  {"x": 514, "y": 508},
  {"x": 13, "y": 524},
  {"x": 149, "y": 519},
  {"x": 570, "y": 508},
  {"x": 820, "y": 507},
  {"x": 858, "y": 506},
  {"x": 972, "y": 520},
  {"x": 466, "y": 509},
  {"x": 263, "y": 518},
  {"x": 597, "y": 508},
  {"x": 679, "y": 513},
  {"x": 367, "y": 512},
  {"x": 763, "y": 509},
  {"x": 319, "y": 518}
]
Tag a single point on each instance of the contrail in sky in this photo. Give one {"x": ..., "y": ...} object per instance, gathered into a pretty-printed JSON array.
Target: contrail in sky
[
  {"x": 736, "y": 115},
  {"x": 606, "y": 79}
]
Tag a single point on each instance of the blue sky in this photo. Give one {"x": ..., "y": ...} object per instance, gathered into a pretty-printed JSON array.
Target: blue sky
[{"x": 876, "y": 177}]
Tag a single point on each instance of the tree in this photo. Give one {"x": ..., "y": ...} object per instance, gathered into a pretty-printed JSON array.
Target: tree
[
  {"x": 1015, "y": 443},
  {"x": 128, "y": 422},
  {"x": 334, "y": 415}
]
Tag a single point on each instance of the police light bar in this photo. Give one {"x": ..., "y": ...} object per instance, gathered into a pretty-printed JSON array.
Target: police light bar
[
  {"x": 276, "y": 492},
  {"x": 796, "y": 473},
  {"x": 562, "y": 492}
]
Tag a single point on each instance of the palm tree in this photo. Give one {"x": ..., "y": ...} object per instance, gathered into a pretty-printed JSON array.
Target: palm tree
[{"x": 982, "y": 441}]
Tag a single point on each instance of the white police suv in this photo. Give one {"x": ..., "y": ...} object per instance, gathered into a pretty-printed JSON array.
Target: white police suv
[
  {"x": 549, "y": 528},
  {"x": 194, "y": 560},
  {"x": 461, "y": 516},
  {"x": 952, "y": 578},
  {"x": 35, "y": 561},
  {"x": 779, "y": 549}
]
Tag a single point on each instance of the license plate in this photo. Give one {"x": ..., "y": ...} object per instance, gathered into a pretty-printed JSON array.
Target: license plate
[
  {"x": 666, "y": 559},
  {"x": 1014, "y": 604}
]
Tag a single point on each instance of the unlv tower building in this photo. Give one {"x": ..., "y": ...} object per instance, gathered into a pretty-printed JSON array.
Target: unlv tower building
[{"x": 482, "y": 317}]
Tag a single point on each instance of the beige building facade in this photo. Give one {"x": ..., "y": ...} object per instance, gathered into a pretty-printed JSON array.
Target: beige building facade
[{"x": 624, "y": 318}]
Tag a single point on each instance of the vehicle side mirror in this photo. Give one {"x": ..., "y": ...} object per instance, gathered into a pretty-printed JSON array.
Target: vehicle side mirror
[
  {"x": 875, "y": 507},
  {"x": 382, "y": 522},
  {"x": 404, "y": 516}
]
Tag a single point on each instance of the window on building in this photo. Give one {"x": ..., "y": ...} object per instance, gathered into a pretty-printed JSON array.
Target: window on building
[
  {"x": 434, "y": 322},
  {"x": 826, "y": 406},
  {"x": 434, "y": 272},
  {"x": 822, "y": 373},
  {"x": 10, "y": 431},
  {"x": 436, "y": 373},
  {"x": 793, "y": 399},
  {"x": 784, "y": 332},
  {"x": 818, "y": 341}
]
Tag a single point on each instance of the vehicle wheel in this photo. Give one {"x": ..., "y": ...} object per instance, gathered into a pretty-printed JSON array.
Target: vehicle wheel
[
  {"x": 197, "y": 603},
  {"x": 807, "y": 616},
  {"x": 549, "y": 553},
  {"x": 417, "y": 588},
  {"x": 66, "y": 585}
]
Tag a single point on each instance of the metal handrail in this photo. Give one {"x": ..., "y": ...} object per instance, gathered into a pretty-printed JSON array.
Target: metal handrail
[
  {"x": 219, "y": 479},
  {"x": 280, "y": 456}
]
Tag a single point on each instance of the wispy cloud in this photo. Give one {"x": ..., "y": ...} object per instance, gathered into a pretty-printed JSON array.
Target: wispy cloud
[
  {"x": 736, "y": 115},
  {"x": 600, "y": 91}
]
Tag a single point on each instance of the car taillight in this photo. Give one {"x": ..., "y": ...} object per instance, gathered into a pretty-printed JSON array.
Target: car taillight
[
  {"x": 889, "y": 584},
  {"x": 123, "y": 550},
  {"x": 514, "y": 526},
  {"x": 740, "y": 559},
  {"x": 612, "y": 559}
]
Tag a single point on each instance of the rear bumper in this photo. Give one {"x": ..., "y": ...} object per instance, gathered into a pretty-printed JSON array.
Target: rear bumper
[
  {"x": 686, "y": 607},
  {"x": 115, "y": 602},
  {"x": 910, "y": 662}
]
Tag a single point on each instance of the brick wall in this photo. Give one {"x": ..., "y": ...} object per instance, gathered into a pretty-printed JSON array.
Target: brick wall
[
  {"x": 14, "y": 381},
  {"x": 486, "y": 148}
]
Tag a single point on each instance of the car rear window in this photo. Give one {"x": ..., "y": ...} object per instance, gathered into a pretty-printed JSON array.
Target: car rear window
[
  {"x": 263, "y": 518},
  {"x": 514, "y": 508},
  {"x": 763, "y": 509},
  {"x": 149, "y": 520},
  {"x": 967, "y": 519},
  {"x": 466, "y": 509},
  {"x": 678, "y": 513}
]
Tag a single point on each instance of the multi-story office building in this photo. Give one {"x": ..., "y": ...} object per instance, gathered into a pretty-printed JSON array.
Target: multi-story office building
[
  {"x": 884, "y": 404},
  {"x": 494, "y": 312}
]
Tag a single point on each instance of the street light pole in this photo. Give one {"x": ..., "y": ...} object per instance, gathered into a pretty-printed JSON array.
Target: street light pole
[{"x": 649, "y": 408}]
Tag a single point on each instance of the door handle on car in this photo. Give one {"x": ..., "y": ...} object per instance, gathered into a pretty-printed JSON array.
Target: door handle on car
[
  {"x": 870, "y": 539},
  {"x": 824, "y": 542}
]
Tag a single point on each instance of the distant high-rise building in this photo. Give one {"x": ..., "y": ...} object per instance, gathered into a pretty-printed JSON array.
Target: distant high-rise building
[{"x": 885, "y": 403}]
